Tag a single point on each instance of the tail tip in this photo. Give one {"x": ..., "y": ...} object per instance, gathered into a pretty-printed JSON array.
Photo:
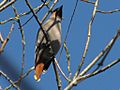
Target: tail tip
[{"x": 36, "y": 78}]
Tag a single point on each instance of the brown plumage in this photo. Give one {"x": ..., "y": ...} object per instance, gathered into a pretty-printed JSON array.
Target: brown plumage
[{"x": 44, "y": 52}]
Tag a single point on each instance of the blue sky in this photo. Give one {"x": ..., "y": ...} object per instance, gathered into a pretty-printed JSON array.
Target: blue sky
[{"x": 105, "y": 26}]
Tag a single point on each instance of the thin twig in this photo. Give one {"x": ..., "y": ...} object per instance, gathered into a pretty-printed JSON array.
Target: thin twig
[
  {"x": 88, "y": 1},
  {"x": 102, "y": 70},
  {"x": 9, "y": 80},
  {"x": 68, "y": 59},
  {"x": 22, "y": 77},
  {"x": 23, "y": 41},
  {"x": 68, "y": 30},
  {"x": 45, "y": 16},
  {"x": 3, "y": 3},
  {"x": 28, "y": 72},
  {"x": 59, "y": 85},
  {"x": 7, "y": 5},
  {"x": 7, "y": 38},
  {"x": 1, "y": 38},
  {"x": 107, "y": 52},
  {"x": 88, "y": 38},
  {"x": 44, "y": 4},
  {"x": 38, "y": 21},
  {"x": 59, "y": 68},
  {"x": 103, "y": 59},
  {"x": 108, "y": 12},
  {"x": 81, "y": 78},
  {"x": 110, "y": 44},
  {"x": 23, "y": 14}
]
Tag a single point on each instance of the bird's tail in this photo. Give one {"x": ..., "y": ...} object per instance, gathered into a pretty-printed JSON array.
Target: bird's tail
[{"x": 38, "y": 71}]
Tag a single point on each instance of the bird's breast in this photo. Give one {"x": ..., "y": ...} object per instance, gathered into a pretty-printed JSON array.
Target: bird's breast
[{"x": 55, "y": 37}]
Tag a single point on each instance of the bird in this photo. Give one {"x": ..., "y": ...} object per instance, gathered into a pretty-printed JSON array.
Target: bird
[{"x": 48, "y": 44}]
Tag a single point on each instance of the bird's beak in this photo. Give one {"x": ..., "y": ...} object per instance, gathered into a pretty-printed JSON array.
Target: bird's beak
[
  {"x": 58, "y": 12},
  {"x": 60, "y": 9}
]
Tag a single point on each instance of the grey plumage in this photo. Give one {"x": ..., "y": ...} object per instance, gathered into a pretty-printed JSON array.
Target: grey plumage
[{"x": 44, "y": 51}]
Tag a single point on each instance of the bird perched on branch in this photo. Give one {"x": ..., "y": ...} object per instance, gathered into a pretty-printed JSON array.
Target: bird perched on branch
[{"x": 49, "y": 44}]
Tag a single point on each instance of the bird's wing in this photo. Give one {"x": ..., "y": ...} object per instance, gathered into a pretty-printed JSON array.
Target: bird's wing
[
  {"x": 40, "y": 45},
  {"x": 41, "y": 41}
]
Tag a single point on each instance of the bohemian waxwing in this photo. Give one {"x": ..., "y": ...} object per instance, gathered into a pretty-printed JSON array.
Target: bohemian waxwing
[{"x": 44, "y": 52}]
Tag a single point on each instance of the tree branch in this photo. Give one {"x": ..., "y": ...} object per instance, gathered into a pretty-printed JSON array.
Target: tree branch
[
  {"x": 9, "y": 80},
  {"x": 59, "y": 68},
  {"x": 88, "y": 1},
  {"x": 22, "y": 77},
  {"x": 7, "y": 5},
  {"x": 45, "y": 16},
  {"x": 110, "y": 44},
  {"x": 68, "y": 30},
  {"x": 3, "y": 3},
  {"x": 23, "y": 41},
  {"x": 1, "y": 38},
  {"x": 88, "y": 38},
  {"x": 4, "y": 42},
  {"x": 81, "y": 78},
  {"x": 68, "y": 60},
  {"x": 108, "y": 12},
  {"x": 24, "y": 14},
  {"x": 59, "y": 85}
]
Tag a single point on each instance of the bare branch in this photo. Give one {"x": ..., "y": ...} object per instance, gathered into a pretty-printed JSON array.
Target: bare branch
[
  {"x": 61, "y": 70},
  {"x": 7, "y": 39},
  {"x": 59, "y": 85},
  {"x": 23, "y": 41},
  {"x": 110, "y": 44},
  {"x": 9, "y": 80},
  {"x": 81, "y": 78},
  {"x": 88, "y": 39},
  {"x": 118, "y": 32},
  {"x": 38, "y": 21},
  {"x": 107, "y": 51},
  {"x": 45, "y": 16},
  {"x": 22, "y": 77},
  {"x": 1, "y": 38},
  {"x": 24, "y": 14},
  {"x": 103, "y": 69},
  {"x": 3, "y": 3},
  {"x": 7, "y": 5},
  {"x": 108, "y": 12},
  {"x": 68, "y": 30},
  {"x": 68, "y": 59},
  {"x": 88, "y": 1},
  {"x": 45, "y": 4}
]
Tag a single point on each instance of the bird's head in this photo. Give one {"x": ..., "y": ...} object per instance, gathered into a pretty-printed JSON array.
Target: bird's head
[{"x": 58, "y": 12}]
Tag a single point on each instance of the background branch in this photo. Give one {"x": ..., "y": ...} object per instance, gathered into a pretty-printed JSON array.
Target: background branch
[
  {"x": 3, "y": 3},
  {"x": 7, "y": 5},
  {"x": 110, "y": 44},
  {"x": 88, "y": 39},
  {"x": 89, "y": 2},
  {"x": 59, "y": 85},
  {"x": 68, "y": 59},
  {"x": 4, "y": 42},
  {"x": 37, "y": 9},
  {"x": 108, "y": 12},
  {"x": 23, "y": 41},
  {"x": 68, "y": 30},
  {"x": 81, "y": 78},
  {"x": 1, "y": 38},
  {"x": 9, "y": 80}
]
